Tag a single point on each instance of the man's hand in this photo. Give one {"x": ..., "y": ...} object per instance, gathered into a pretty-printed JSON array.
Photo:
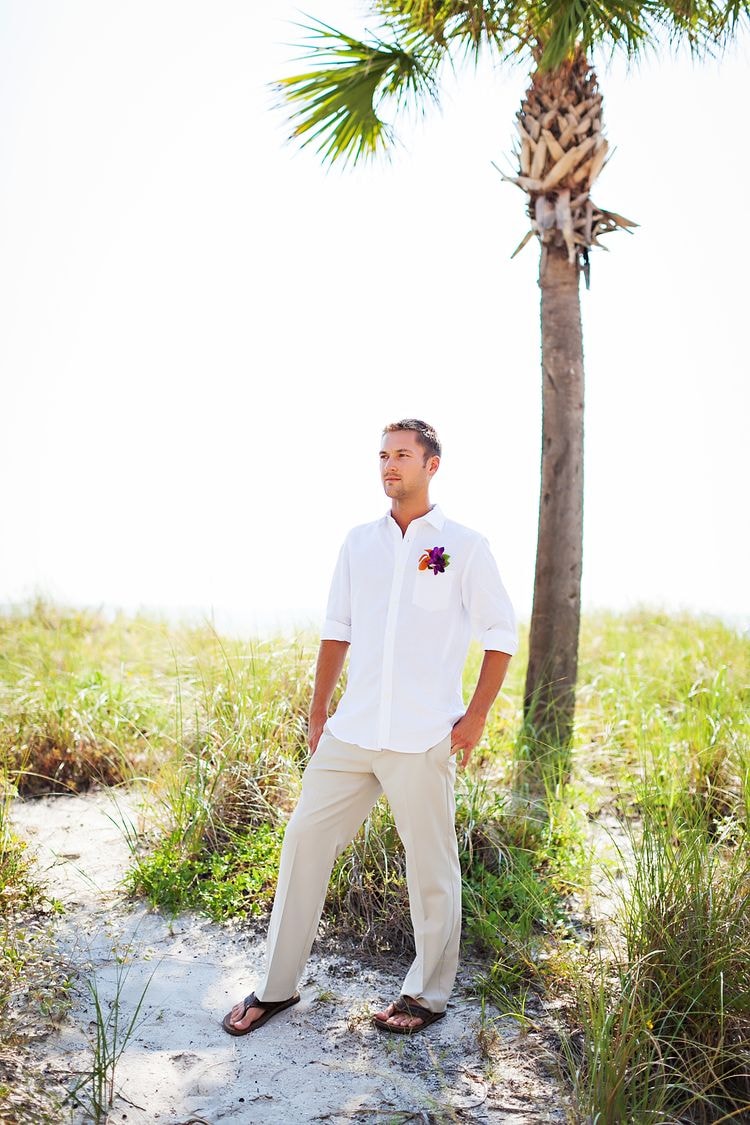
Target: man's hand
[
  {"x": 331, "y": 657},
  {"x": 470, "y": 728},
  {"x": 466, "y": 734},
  {"x": 315, "y": 723}
]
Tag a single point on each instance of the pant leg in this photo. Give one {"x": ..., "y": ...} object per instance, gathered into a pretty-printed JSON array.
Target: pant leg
[
  {"x": 338, "y": 791},
  {"x": 420, "y": 790}
]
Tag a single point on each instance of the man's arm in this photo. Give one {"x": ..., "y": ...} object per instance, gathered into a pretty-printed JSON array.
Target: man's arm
[
  {"x": 331, "y": 657},
  {"x": 468, "y": 730}
]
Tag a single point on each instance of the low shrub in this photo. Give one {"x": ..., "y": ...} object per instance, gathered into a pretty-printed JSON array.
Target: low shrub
[
  {"x": 73, "y": 732},
  {"x": 236, "y": 881}
]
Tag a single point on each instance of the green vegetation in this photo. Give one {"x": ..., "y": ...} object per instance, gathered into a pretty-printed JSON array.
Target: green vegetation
[
  {"x": 112, "y": 1030},
  {"x": 654, "y": 1004},
  {"x": 665, "y": 1012},
  {"x": 238, "y": 880},
  {"x": 666, "y": 1026},
  {"x": 77, "y": 699}
]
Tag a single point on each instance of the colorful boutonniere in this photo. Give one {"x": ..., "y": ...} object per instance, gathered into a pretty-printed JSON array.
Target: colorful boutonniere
[{"x": 435, "y": 560}]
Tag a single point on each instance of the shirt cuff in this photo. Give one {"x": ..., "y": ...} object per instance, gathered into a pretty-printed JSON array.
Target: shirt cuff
[
  {"x": 501, "y": 640},
  {"x": 335, "y": 631}
]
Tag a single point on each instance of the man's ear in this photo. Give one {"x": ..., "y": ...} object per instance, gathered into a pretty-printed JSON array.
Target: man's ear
[{"x": 433, "y": 465}]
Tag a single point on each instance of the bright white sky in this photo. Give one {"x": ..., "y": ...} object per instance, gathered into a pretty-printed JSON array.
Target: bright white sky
[{"x": 203, "y": 332}]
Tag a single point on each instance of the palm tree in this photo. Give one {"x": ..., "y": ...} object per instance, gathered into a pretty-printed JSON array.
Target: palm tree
[{"x": 338, "y": 105}]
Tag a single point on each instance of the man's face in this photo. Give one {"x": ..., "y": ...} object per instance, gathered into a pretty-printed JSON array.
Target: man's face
[{"x": 402, "y": 465}]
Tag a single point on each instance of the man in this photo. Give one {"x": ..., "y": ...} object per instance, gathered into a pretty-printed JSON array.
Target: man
[{"x": 407, "y": 593}]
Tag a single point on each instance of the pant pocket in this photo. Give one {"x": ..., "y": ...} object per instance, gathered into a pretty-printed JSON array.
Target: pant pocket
[{"x": 442, "y": 749}]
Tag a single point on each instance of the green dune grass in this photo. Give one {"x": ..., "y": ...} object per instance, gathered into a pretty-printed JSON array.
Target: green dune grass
[{"x": 655, "y": 1003}]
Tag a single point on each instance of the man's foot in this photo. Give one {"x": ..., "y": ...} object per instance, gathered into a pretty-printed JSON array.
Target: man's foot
[
  {"x": 405, "y": 1016},
  {"x": 240, "y": 1017},
  {"x": 252, "y": 1013}
]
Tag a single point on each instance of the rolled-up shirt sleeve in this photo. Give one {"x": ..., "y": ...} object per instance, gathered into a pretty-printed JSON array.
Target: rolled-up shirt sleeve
[
  {"x": 493, "y": 620},
  {"x": 338, "y": 622}
]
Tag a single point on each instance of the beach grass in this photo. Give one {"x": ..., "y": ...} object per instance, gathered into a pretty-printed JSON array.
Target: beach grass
[
  {"x": 648, "y": 816},
  {"x": 662, "y": 1024}
]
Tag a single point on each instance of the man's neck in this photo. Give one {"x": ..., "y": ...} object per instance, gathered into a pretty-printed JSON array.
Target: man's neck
[{"x": 403, "y": 512}]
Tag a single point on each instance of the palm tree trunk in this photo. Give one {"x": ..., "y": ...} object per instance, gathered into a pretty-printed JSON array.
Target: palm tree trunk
[{"x": 553, "y": 642}]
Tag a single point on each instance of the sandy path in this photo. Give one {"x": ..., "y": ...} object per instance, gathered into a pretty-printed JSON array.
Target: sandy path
[{"x": 321, "y": 1061}]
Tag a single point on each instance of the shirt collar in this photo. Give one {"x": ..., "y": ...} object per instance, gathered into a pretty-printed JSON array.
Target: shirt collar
[{"x": 434, "y": 516}]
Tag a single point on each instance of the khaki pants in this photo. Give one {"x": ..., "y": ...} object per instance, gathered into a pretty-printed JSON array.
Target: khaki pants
[{"x": 340, "y": 785}]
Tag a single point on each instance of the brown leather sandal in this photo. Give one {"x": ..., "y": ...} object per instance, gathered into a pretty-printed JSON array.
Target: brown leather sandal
[
  {"x": 252, "y": 1001},
  {"x": 408, "y": 1007}
]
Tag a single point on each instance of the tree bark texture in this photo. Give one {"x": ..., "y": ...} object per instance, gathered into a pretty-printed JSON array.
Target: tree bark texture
[{"x": 555, "y": 617}]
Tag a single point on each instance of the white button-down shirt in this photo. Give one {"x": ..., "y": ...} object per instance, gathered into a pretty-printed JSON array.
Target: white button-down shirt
[{"x": 410, "y": 629}]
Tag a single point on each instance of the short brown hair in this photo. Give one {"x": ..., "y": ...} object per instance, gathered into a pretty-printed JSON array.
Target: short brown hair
[{"x": 426, "y": 436}]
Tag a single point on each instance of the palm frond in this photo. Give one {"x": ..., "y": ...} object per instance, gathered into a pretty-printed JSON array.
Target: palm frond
[
  {"x": 336, "y": 104},
  {"x": 466, "y": 24},
  {"x": 563, "y": 26},
  {"x": 735, "y": 16},
  {"x": 635, "y": 25},
  {"x": 704, "y": 25}
]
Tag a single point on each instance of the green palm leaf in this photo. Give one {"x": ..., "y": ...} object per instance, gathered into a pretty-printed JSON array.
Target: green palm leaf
[
  {"x": 633, "y": 25},
  {"x": 563, "y": 25},
  {"x": 465, "y": 24},
  {"x": 336, "y": 105},
  {"x": 703, "y": 24}
]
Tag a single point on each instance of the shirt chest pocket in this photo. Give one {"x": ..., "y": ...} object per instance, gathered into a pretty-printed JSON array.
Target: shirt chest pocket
[{"x": 433, "y": 591}]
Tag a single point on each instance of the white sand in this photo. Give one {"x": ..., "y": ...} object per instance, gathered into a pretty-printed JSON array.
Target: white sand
[{"x": 321, "y": 1061}]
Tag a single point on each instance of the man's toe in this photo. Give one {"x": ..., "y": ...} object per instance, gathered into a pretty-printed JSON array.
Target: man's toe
[
  {"x": 241, "y": 1018},
  {"x": 396, "y": 1017},
  {"x": 402, "y": 1020}
]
